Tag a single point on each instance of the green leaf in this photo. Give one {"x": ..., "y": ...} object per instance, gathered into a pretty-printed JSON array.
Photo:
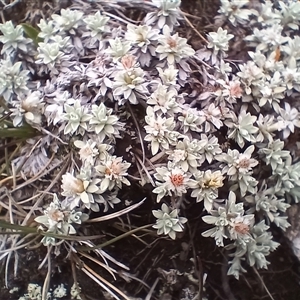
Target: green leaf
[
  {"x": 25, "y": 132},
  {"x": 32, "y": 33}
]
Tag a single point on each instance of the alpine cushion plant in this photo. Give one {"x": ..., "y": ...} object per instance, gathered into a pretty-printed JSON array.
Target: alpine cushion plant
[{"x": 119, "y": 106}]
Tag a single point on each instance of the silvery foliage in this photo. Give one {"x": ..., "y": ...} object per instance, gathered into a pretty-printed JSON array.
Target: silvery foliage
[
  {"x": 236, "y": 11},
  {"x": 59, "y": 220},
  {"x": 262, "y": 126},
  {"x": 167, "y": 13},
  {"x": 13, "y": 80},
  {"x": 255, "y": 248},
  {"x": 168, "y": 222},
  {"x": 200, "y": 144},
  {"x": 229, "y": 221}
]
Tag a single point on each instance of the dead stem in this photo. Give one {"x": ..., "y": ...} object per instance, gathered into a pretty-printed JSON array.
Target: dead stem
[{"x": 263, "y": 284}]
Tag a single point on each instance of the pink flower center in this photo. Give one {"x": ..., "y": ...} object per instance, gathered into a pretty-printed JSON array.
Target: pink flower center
[
  {"x": 241, "y": 228},
  {"x": 244, "y": 163},
  {"x": 177, "y": 179}
]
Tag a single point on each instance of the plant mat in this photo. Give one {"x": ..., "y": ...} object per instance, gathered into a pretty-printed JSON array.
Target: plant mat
[{"x": 174, "y": 269}]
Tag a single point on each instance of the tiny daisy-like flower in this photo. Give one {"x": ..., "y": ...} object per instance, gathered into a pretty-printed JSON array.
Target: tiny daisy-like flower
[
  {"x": 31, "y": 108},
  {"x": 183, "y": 156},
  {"x": 171, "y": 181},
  {"x": 158, "y": 130},
  {"x": 173, "y": 48},
  {"x": 164, "y": 100},
  {"x": 238, "y": 163},
  {"x": 209, "y": 148},
  {"x": 168, "y": 76},
  {"x": 142, "y": 36},
  {"x": 84, "y": 189},
  {"x": 211, "y": 118},
  {"x": 168, "y": 13},
  {"x": 228, "y": 91},
  {"x": 113, "y": 172},
  {"x": 12, "y": 79},
  {"x": 88, "y": 151},
  {"x": 190, "y": 120},
  {"x": 71, "y": 185},
  {"x": 55, "y": 107},
  {"x": 68, "y": 19},
  {"x": 240, "y": 227},
  {"x": 96, "y": 24},
  {"x": 129, "y": 84},
  {"x": 219, "y": 40},
  {"x": 118, "y": 48},
  {"x": 205, "y": 187},
  {"x": 12, "y": 38},
  {"x": 289, "y": 119}
]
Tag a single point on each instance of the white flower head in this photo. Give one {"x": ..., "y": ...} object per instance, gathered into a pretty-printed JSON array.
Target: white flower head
[
  {"x": 118, "y": 48},
  {"x": 171, "y": 181},
  {"x": 235, "y": 11},
  {"x": 238, "y": 163},
  {"x": 159, "y": 131},
  {"x": 168, "y": 13},
  {"x": 168, "y": 76},
  {"x": 129, "y": 85},
  {"x": 205, "y": 187},
  {"x": 141, "y": 35},
  {"x": 82, "y": 188},
  {"x": 242, "y": 128},
  {"x": 164, "y": 100},
  {"x": 96, "y": 24},
  {"x": 113, "y": 172},
  {"x": 49, "y": 53},
  {"x": 289, "y": 119},
  {"x": 88, "y": 151},
  {"x": 71, "y": 185},
  {"x": 12, "y": 38},
  {"x": 173, "y": 48},
  {"x": 12, "y": 79},
  {"x": 29, "y": 108}
]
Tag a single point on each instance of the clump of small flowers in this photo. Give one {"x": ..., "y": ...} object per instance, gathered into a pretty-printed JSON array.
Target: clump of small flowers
[{"x": 114, "y": 103}]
